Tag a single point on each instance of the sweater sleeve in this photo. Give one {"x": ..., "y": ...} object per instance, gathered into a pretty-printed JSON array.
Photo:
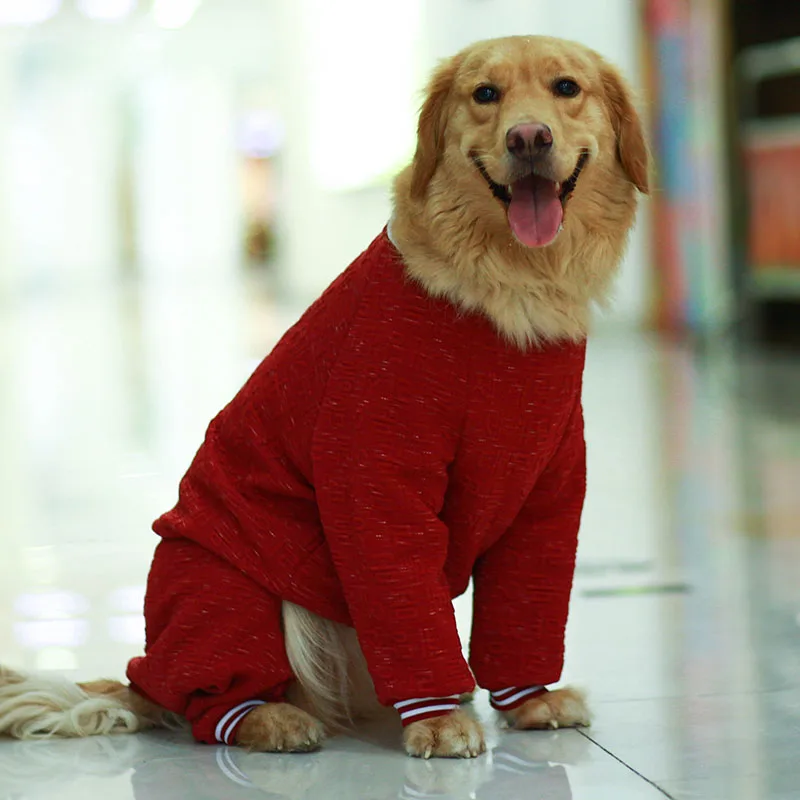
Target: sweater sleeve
[
  {"x": 522, "y": 584},
  {"x": 385, "y": 436}
]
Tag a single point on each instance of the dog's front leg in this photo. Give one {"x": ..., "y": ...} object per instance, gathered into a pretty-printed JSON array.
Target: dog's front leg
[
  {"x": 383, "y": 443},
  {"x": 522, "y": 586},
  {"x": 454, "y": 735},
  {"x": 561, "y": 708}
]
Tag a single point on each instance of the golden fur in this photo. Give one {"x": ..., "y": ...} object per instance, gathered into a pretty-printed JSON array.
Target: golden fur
[
  {"x": 454, "y": 236},
  {"x": 457, "y": 735},
  {"x": 280, "y": 728},
  {"x": 563, "y": 708},
  {"x": 455, "y": 239}
]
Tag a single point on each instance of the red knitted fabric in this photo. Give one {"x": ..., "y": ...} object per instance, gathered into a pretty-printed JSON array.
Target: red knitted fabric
[
  {"x": 214, "y": 641},
  {"x": 387, "y": 450}
]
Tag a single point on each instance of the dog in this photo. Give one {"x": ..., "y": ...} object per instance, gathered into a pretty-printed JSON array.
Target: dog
[{"x": 418, "y": 429}]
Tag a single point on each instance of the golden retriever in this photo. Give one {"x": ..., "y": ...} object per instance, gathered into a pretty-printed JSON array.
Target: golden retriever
[{"x": 517, "y": 205}]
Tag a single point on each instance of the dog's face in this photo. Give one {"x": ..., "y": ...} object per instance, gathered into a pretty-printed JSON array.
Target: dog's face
[{"x": 534, "y": 124}]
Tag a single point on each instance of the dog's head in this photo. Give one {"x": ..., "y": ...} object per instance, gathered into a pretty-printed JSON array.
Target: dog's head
[{"x": 532, "y": 126}]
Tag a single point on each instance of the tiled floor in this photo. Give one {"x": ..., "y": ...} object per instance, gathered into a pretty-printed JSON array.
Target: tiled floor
[{"x": 686, "y": 615}]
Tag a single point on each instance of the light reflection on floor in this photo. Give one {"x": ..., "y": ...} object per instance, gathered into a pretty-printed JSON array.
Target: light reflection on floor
[{"x": 686, "y": 613}]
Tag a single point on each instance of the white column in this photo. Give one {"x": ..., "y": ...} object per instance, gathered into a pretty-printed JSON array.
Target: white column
[
  {"x": 187, "y": 210},
  {"x": 7, "y": 65},
  {"x": 60, "y": 188},
  {"x": 348, "y": 100}
]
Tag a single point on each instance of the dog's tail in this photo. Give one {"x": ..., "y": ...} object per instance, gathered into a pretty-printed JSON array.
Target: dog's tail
[
  {"x": 36, "y": 707},
  {"x": 332, "y": 674}
]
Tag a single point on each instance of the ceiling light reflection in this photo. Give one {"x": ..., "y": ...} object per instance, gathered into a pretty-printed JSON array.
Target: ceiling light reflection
[
  {"x": 174, "y": 13},
  {"x": 27, "y": 12},
  {"x": 127, "y": 630},
  {"x": 106, "y": 10},
  {"x": 127, "y": 598},
  {"x": 57, "y": 632},
  {"x": 50, "y": 605}
]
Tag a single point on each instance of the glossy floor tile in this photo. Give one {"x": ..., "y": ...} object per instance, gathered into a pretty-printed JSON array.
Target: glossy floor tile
[
  {"x": 685, "y": 625},
  {"x": 549, "y": 766}
]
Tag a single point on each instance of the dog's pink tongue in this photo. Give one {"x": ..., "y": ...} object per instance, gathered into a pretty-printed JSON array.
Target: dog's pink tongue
[{"x": 535, "y": 212}]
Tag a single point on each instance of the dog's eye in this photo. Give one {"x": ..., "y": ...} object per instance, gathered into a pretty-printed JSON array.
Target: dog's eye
[
  {"x": 565, "y": 87},
  {"x": 486, "y": 94}
]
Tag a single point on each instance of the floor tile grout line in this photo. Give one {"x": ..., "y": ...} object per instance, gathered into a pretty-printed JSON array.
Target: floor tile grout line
[{"x": 626, "y": 765}]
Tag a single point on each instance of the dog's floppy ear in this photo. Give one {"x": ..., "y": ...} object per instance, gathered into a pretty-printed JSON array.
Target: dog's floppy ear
[
  {"x": 632, "y": 148},
  {"x": 430, "y": 130}
]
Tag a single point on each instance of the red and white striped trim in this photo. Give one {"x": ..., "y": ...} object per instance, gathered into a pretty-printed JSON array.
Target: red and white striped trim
[
  {"x": 228, "y": 724},
  {"x": 514, "y": 697},
  {"x": 421, "y": 708}
]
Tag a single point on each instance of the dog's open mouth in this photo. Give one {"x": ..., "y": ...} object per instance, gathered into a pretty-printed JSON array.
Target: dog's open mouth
[{"x": 535, "y": 205}]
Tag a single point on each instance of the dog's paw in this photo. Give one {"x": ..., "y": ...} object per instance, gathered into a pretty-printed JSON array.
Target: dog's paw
[
  {"x": 468, "y": 697},
  {"x": 561, "y": 708},
  {"x": 280, "y": 728},
  {"x": 454, "y": 735}
]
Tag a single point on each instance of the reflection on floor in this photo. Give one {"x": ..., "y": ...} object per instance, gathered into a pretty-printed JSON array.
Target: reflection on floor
[{"x": 686, "y": 613}]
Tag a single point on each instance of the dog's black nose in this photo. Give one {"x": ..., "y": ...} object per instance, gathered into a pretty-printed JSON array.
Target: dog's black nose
[{"x": 529, "y": 139}]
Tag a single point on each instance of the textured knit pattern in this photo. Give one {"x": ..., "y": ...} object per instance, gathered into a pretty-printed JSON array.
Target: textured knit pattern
[
  {"x": 387, "y": 450},
  {"x": 214, "y": 641}
]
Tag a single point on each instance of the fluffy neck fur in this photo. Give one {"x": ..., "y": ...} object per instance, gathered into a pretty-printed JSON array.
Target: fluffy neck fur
[{"x": 464, "y": 251}]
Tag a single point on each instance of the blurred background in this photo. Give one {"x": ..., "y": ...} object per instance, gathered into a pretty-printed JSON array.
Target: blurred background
[
  {"x": 152, "y": 140},
  {"x": 202, "y": 140},
  {"x": 179, "y": 179}
]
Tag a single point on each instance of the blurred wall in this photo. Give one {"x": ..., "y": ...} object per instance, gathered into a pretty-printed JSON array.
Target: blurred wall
[{"x": 118, "y": 141}]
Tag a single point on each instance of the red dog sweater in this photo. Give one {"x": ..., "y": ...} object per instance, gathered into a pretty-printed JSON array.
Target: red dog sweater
[{"x": 390, "y": 448}]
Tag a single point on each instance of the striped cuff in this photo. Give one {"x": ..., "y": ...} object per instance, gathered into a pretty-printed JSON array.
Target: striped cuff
[
  {"x": 426, "y": 707},
  {"x": 514, "y": 697},
  {"x": 229, "y": 722}
]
